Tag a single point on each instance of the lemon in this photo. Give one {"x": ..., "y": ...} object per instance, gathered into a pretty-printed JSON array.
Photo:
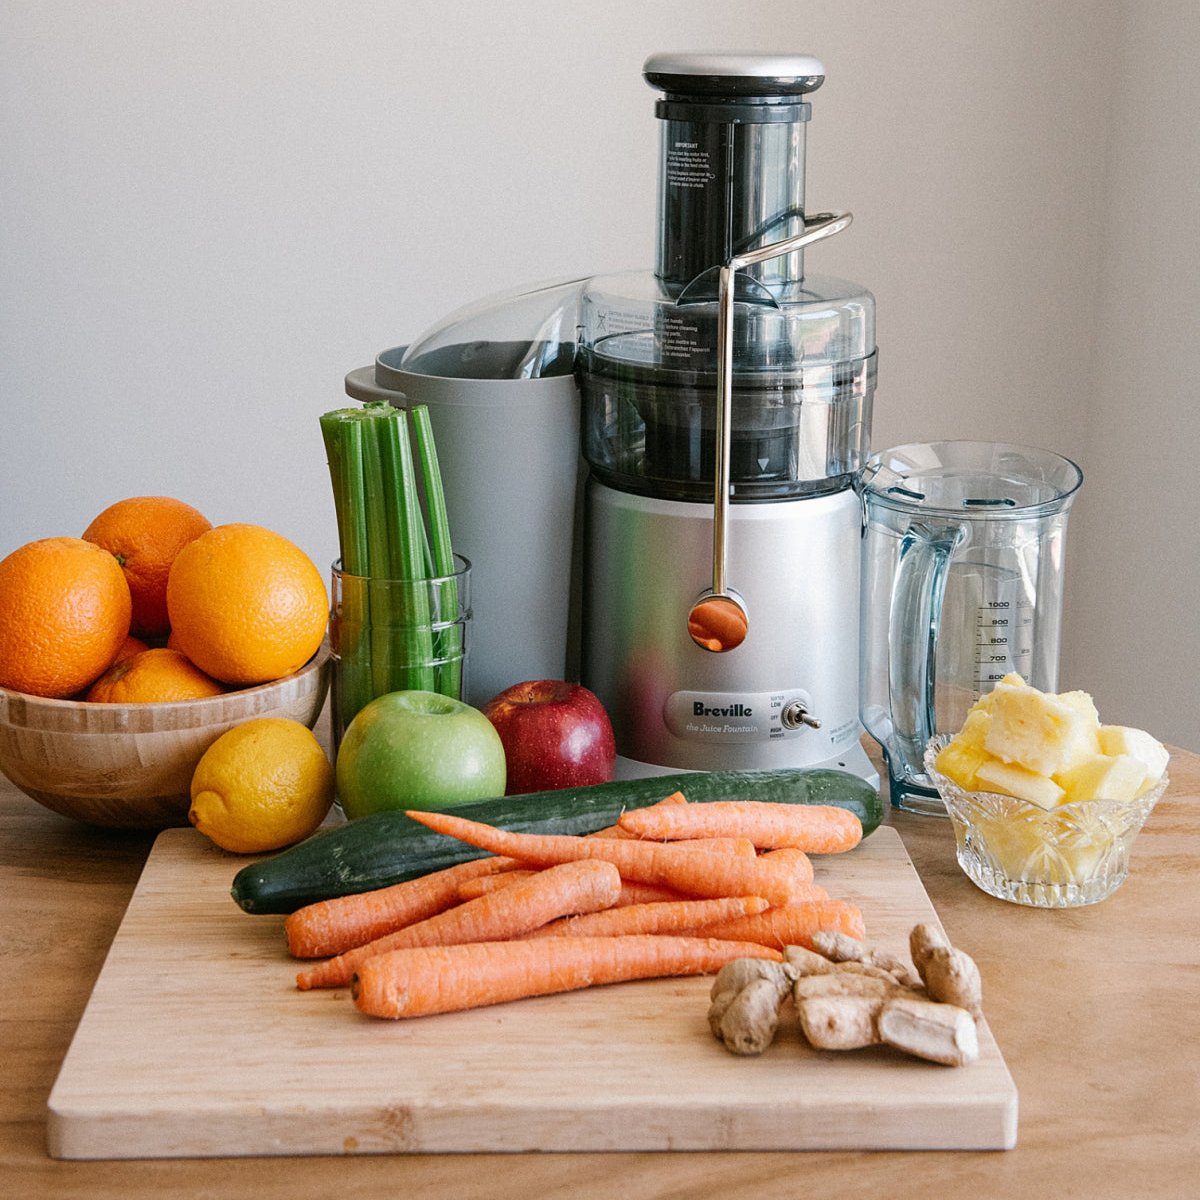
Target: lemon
[{"x": 262, "y": 785}]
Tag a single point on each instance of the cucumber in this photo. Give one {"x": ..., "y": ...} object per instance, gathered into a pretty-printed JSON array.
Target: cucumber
[{"x": 385, "y": 848}]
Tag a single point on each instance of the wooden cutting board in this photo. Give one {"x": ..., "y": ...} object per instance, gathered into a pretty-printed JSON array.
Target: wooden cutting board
[{"x": 195, "y": 1043}]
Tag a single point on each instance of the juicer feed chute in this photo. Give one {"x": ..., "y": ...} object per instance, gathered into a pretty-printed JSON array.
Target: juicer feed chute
[{"x": 731, "y": 159}]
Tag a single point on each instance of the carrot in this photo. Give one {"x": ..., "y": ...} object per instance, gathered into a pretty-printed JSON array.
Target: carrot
[
  {"x": 814, "y": 828},
  {"x": 800, "y": 862},
  {"x": 695, "y": 872},
  {"x": 724, "y": 845},
  {"x": 617, "y": 831},
  {"x": 669, "y": 916},
  {"x": 631, "y": 893},
  {"x": 808, "y": 892},
  {"x": 435, "y": 979},
  {"x": 646, "y": 893},
  {"x": 471, "y": 889},
  {"x": 332, "y": 926},
  {"x": 561, "y": 891},
  {"x": 791, "y": 924},
  {"x": 649, "y": 893}
]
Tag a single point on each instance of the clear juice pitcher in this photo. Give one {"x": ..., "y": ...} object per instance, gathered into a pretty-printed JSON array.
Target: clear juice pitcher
[{"x": 962, "y": 584}]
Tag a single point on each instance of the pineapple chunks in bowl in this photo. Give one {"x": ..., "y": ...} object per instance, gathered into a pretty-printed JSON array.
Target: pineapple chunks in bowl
[
  {"x": 1049, "y": 749},
  {"x": 1045, "y": 800}
]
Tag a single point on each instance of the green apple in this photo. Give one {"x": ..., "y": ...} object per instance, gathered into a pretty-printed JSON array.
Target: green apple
[{"x": 412, "y": 749}]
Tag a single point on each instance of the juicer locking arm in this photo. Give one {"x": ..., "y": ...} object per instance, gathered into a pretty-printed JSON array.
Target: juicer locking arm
[{"x": 718, "y": 621}]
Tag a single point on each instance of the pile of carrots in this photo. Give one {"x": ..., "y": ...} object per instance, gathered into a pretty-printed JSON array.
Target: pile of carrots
[{"x": 674, "y": 889}]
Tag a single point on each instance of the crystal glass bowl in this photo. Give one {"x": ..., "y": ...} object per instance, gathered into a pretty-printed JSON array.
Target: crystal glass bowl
[{"x": 1058, "y": 858}]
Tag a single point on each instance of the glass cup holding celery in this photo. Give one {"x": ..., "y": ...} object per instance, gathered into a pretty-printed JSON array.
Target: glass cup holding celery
[
  {"x": 392, "y": 635},
  {"x": 401, "y": 602}
]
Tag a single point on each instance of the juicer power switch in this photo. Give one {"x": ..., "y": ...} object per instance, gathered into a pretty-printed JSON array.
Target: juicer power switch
[
  {"x": 795, "y": 715},
  {"x": 737, "y": 716}
]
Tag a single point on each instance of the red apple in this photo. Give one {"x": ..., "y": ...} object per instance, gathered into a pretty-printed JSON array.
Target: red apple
[{"x": 555, "y": 735}]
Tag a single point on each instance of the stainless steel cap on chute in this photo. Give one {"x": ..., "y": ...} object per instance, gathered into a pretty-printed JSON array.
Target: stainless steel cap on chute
[{"x": 747, "y": 74}]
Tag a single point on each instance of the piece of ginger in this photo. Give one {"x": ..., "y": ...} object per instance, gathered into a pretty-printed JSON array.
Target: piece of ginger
[
  {"x": 942, "y": 1033},
  {"x": 841, "y": 983},
  {"x": 848, "y": 995},
  {"x": 746, "y": 999},
  {"x": 841, "y": 948},
  {"x": 950, "y": 975},
  {"x": 841, "y": 1022}
]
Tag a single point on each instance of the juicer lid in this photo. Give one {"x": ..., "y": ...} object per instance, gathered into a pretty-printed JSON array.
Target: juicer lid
[
  {"x": 710, "y": 73},
  {"x": 632, "y": 321},
  {"x": 524, "y": 333}
]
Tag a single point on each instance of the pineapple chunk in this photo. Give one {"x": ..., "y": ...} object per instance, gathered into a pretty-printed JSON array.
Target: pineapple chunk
[
  {"x": 985, "y": 702},
  {"x": 1039, "y": 732},
  {"x": 975, "y": 728},
  {"x": 1103, "y": 777},
  {"x": 1012, "y": 779},
  {"x": 1148, "y": 750},
  {"x": 1012, "y": 679},
  {"x": 1084, "y": 704},
  {"x": 960, "y": 760}
]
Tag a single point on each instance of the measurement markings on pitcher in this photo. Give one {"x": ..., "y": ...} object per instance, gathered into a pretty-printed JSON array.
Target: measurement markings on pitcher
[{"x": 992, "y": 642}]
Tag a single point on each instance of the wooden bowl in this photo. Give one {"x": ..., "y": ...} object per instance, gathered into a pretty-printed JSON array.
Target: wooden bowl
[{"x": 130, "y": 765}]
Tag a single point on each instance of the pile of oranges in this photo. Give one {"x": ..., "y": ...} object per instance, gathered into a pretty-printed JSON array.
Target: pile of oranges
[{"x": 153, "y": 603}]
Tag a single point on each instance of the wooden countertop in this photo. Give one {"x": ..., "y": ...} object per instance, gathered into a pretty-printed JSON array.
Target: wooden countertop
[{"x": 1092, "y": 1008}]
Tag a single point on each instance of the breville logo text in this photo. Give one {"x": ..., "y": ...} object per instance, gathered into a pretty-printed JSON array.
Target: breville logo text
[{"x": 733, "y": 710}]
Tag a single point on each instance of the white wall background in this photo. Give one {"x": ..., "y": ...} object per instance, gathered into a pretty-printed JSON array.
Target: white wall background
[{"x": 210, "y": 212}]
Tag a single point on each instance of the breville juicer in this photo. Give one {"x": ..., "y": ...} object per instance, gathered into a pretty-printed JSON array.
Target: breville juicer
[
  {"x": 725, "y": 404},
  {"x": 726, "y": 410}
]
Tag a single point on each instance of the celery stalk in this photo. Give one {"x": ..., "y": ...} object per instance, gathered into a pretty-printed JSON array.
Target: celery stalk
[
  {"x": 406, "y": 539},
  {"x": 449, "y": 647},
  {"x": 386, "y": 634},
  {"x": 378, "y": 469},
  {"x": 342, "y": 433}
]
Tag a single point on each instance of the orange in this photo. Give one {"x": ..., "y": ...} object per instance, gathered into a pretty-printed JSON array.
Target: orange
[
  {"x": 145, "y": 533},
  {"x": 64, "y": 612},
  {"x": 153, "y": 677},
  {"x": 246, "y": 605},
  {"x": 129, "y": 647}
]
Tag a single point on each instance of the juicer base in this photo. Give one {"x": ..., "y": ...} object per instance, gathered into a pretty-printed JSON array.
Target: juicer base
[{"x": 854, "y": 759}]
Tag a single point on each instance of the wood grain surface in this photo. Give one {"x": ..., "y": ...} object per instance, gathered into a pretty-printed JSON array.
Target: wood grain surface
[
  {"x": 195, "y": 1042},
  {"x": 1093, "y": 1008}
]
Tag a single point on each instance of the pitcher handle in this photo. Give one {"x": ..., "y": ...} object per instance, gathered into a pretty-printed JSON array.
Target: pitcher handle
[{"x": 914, "y": 620}]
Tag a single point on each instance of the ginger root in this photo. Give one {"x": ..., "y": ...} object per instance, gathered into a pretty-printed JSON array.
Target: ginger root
[
  {"x": 840, "y": 983},
  {"x": 746, "y": 999},
  {"x": 844, "y": 1022},
  {"x": 841, "y": 948},
  {"x": 848, "y": 995},
  {"x": 949, "y": 975},
  {"x": 942, "y": 1033}
]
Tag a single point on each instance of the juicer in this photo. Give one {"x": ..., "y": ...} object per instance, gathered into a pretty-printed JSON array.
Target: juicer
[
  {"x": 722, "y": 404},
  {"x": 726, "y": 412}
]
